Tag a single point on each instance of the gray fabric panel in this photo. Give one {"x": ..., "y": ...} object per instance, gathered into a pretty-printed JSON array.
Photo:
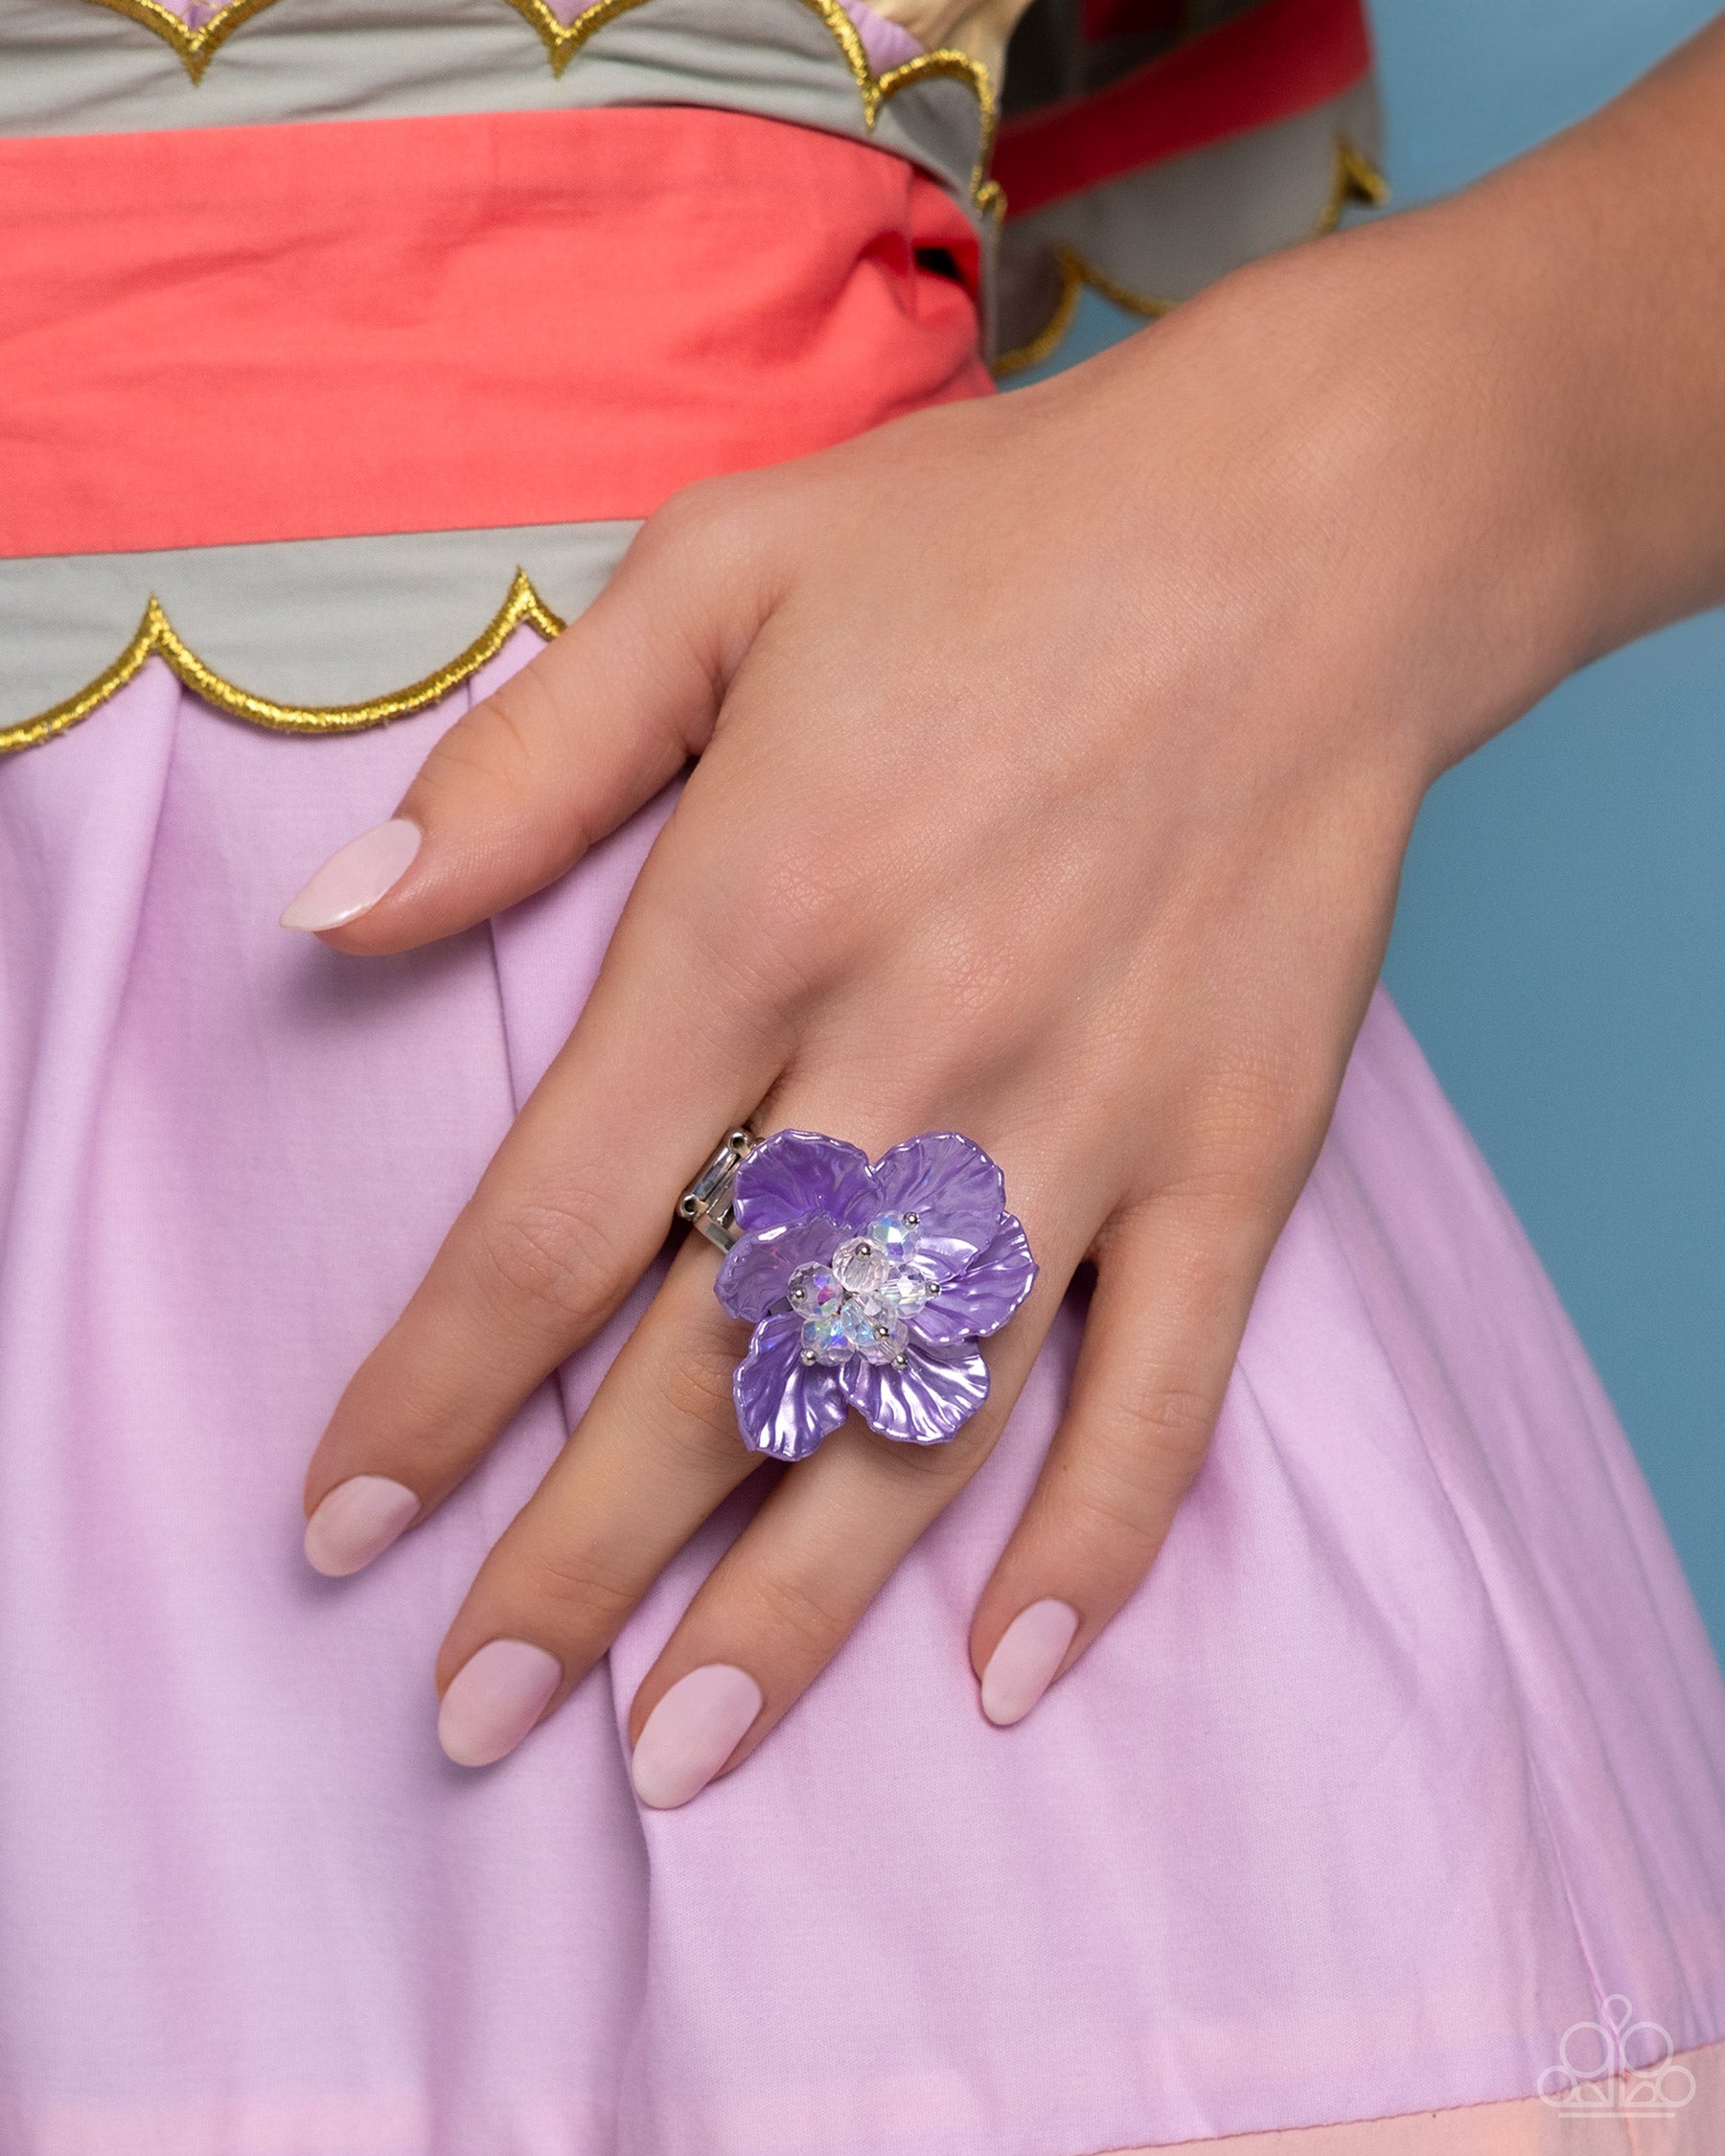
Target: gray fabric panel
[
  {"x": 76, "y": 67},
  {"x": 1167, "y": 232},
  {"x": 308, "y": 622}
]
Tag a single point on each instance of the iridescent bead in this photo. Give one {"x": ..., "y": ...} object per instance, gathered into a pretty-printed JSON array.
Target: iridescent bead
[
  {"x": 813, "y": 1292},
  {"x": 905, "y": 1290},
  {"x": 897, "y": 1236},
  {"x": 872, "y": 1330},
  {"x": 860, "y": 1264},
  {"x": 823, "y": 1340}
]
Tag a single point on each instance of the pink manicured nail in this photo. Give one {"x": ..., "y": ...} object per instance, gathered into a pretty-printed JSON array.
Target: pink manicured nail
[
  {"x": 357, "y": 1519},
  {"x": 1022, "y": 1665},
  {"x": 498, "y": 1696},
  {"x": 351, "y": 882},
  {"x": 692, "y": 1732}
]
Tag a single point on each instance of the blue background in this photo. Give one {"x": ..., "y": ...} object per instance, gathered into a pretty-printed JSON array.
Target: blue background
[{"x": 1558, "y": 946}]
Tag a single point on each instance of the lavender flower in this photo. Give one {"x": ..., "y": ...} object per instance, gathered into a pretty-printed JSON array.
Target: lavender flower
[{"x": 868, "y": 1288}]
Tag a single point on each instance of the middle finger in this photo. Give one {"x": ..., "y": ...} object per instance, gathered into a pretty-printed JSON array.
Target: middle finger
[{"x": 656, "y": 1452}]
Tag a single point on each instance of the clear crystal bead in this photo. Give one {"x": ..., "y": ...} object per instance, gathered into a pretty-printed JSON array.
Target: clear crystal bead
[
  {"x": 860, "y": 1264},
  {"x": 813, "y": 1292},
  {"x": 872, "y": 1330},
  {"x": 823, "y": 1339},
  {"x": 905, "y": 1290},
  {"x": 897, "y": 1236}
]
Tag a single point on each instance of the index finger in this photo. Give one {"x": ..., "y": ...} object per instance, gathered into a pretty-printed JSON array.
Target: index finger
[{"x": 574, "y": 1207}]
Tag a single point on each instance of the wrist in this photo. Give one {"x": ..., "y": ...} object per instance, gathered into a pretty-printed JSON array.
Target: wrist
[{"x": 1376, "y": 425}]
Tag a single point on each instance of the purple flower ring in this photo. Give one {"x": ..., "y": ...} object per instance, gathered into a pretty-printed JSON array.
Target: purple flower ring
[{"x": 867, "y": 1287}]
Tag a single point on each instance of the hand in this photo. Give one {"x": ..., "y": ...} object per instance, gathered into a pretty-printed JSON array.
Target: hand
[{"x": 1057, "y": 757}]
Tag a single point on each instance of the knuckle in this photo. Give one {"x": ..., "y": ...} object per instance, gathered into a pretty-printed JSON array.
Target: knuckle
[
  {"x": 796, "y": 1615},
  {"x": 688, "y": 515},
  {"x": 496, "y": 745},
  {"x": 550, "y": 1259},
  {"x": 714, "y": 519},
  {"x": 695, "y": 1397},
  {"x": 1155, "y": 1418},
  {"x": 1119, "y": 1502},
  {"x": 574, "y": 1591},
  {"x": 792, "y": 919},
  {"x": 1260, "y": 1115}
]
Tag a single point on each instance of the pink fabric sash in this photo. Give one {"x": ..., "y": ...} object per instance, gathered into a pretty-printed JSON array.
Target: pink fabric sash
[{"x": 228, "y": 334}]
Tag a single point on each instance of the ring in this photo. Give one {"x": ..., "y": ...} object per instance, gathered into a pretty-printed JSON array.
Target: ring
[
  {"x": 867, "y": 1287},
  {"x": 706, "y": 1204}
]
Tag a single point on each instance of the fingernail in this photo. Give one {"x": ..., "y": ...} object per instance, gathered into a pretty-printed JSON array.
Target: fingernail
[
  {"x": 497, "y": 1698},
  {"x": 357, "y": 1520},
  {"x": 351, "y": 882},
  {"x": 692, "y": 1732},
  {"x": 1022, "y": 1665}
]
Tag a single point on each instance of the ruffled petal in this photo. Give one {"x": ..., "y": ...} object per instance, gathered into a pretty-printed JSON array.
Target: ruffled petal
[
  {"x": 785, "y": 1406},
  {"x": 795, "y": 1173},
  {"x": 955, "y": 1189},
  {"x": 981, "y": 1300},
  {"x": 925, "y": 1403},
  {"x": 757, "y": 1271}
]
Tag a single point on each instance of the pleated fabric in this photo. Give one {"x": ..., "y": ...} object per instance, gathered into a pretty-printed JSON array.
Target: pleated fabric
[{"x": 1409, "y": 1756}]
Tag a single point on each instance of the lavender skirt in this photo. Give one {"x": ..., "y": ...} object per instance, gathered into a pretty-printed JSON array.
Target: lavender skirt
[{"x": 1408, "y": 1757}]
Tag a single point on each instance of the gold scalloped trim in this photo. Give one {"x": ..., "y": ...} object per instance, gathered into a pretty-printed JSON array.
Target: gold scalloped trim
[
  {"x": 195, "y": 47},
  {"x": 563, "y": 40},
  {"x": 1353, "y": 179},
  {"x": 156, "y": 638}
]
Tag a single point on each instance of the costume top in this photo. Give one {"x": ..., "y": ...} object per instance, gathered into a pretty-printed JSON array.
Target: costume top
[{"x": 301, "y": 274}]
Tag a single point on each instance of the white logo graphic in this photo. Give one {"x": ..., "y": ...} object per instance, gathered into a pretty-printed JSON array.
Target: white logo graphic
[{"x": 1617, "y": 2068}]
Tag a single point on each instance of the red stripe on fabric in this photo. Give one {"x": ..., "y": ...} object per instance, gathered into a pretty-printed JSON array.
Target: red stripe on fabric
[
  {"x": 1284, "y": 57},
  {"x": 217, "y": 335}
]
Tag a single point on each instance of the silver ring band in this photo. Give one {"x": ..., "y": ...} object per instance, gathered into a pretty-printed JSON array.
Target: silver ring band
[{"x": 706, "y": 1204}]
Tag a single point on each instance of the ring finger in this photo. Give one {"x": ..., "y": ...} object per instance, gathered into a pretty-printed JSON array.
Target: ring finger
[{"x": 658, "y": 1450}]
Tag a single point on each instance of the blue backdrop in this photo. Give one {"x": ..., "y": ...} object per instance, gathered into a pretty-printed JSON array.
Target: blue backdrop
[{"x": 1562, "y": 921}]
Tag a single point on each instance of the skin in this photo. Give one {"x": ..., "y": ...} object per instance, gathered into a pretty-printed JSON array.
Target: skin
[{"x": 1170, "y": 648}]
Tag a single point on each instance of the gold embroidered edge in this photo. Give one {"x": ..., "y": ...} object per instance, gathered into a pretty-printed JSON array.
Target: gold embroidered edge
[
  {"x": 563, "y": 40},
  {"x": 195, "y": 47},
  {"x": 157, "y": 638},
  {"x": 1354, "y": 179}
]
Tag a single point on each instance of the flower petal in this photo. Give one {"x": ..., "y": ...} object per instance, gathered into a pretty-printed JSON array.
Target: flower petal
[
  {"x": 785, "y": 1406},
  {"x": 955, "y": 1191},
  {"x": 757, "y": 1271},
  {"x": 795, "y": 1173},
  {"x": 926, "y": 1402},
  {"x": 981, "y": 1300}
]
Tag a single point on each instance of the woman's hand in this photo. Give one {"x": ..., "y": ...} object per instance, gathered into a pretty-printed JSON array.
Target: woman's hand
[{"x": 1057, "y": 756}]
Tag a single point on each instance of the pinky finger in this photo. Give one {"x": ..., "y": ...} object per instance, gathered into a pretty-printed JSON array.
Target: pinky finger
[{"x": 1174, "y": 1283}]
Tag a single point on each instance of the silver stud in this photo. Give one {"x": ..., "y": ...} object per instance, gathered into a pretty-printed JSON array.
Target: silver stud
[{"x": 901, "y": 1361}]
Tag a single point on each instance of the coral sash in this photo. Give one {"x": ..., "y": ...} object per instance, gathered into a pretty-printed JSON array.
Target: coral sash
[{"x": 228, "y": 334}]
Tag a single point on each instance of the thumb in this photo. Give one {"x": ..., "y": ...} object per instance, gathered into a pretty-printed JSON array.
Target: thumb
[{"x": 518, "y": 790}]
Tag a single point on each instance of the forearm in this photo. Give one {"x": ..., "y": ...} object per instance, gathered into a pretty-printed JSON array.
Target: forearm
[{"x": 1606, "y": 250}]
